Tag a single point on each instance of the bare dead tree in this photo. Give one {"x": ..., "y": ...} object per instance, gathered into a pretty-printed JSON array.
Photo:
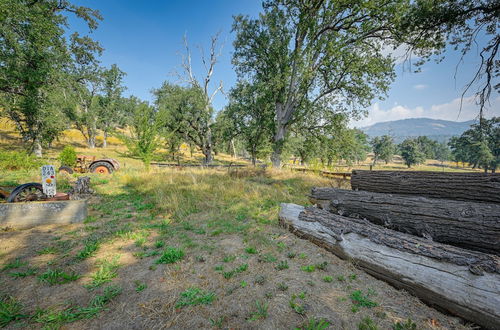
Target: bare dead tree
[{"x": 188, "y": 77}]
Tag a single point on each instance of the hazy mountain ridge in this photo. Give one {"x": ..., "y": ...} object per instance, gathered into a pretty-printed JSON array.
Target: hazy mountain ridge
[{"x": 436, "y": 129}]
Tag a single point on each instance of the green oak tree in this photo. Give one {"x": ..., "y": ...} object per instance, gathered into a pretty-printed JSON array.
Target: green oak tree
[
  {"x": 383, "y": 148},
  {"x": 324, "y": 51},
  {"x": 111, "y": 108},
  {"x": 145, "y": 124},
  {"x": 185, "y": 116},
  {"x": 34, "y": 55},
  {"x": 249, "y": 117},
  {"x": 85, "y": 82},
  {"x": 411, "y": 153},
  {"x": 476, "y": 145}
]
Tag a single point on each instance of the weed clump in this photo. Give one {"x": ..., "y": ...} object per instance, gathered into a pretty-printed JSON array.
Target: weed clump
[
  {"x": 170, "y": 255},
  {"x": 56, "y": 276},
  {"x": 195, "y": 296},
  {"x": 10, "y": 310},
  {"x": 361, "y": 300},
  {"x": 408, "y": 325},
  {"x": 240, "y": 269}
]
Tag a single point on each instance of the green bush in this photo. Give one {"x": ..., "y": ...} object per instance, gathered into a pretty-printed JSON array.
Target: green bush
[
  {"x": 68, "y": 156},
  {"x": 14, "y": 160}
]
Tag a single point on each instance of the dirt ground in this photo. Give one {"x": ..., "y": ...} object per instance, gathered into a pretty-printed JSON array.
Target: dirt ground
[{"x": 288, "y": 282}]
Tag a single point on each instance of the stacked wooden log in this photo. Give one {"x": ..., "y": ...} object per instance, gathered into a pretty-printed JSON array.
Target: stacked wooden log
[
  {"x": 445, "y": 251},
  {"x": 475, "y": 186}
]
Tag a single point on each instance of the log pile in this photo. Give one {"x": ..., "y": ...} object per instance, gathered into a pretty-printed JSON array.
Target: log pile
[
  {"x": 463, "y": 282},
  {"x": 480, "y": 187},
  {"x": 437, "y": 235},
  {"x": 470, "y": 225}
]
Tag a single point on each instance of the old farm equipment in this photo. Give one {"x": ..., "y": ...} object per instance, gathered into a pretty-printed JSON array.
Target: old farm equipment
[
  {"x": 85, "y": 164},
  {"x": 29, "y": 192}
]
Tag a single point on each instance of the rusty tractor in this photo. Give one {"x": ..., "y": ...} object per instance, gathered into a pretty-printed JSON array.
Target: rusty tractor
[{"x": 85, "y": 164}]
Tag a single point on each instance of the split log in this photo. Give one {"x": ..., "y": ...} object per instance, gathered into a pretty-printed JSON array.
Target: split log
[
  {"x": 470, "y": 225},
  {"x": 463, "y": 282},
  {"x": 482, "y": 187}
]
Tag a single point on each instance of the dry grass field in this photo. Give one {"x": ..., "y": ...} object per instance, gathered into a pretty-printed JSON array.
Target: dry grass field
[{"x": 190, "y": 249}]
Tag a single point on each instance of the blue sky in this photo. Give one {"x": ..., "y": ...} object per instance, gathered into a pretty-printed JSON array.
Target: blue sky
[{"x": 145, "y": 37}]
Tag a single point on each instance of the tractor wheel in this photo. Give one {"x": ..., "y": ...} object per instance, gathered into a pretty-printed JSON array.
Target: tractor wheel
[
  {"x": 101, "y": 168},
  {"x": 26, "y": 193},
  {"x": 65, "y": 169}
]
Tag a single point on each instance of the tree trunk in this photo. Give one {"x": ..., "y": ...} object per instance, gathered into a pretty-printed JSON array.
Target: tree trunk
[
  {"x": 208, "y": 148},
  {"x": 37, "y": 147},
  {"x": 279, "y": 140},
  {"x": 459, "y": 186},
  {"x": 279, "y": 135},
  {"x": 459, "y": 281},
  {"x": 105, "y": 139},
  {"x": 233, "y": 148},
  {"x": 469, "y": 225},
  {"x": 91, "y": 133},
  {"x": 254, "y": 157}
]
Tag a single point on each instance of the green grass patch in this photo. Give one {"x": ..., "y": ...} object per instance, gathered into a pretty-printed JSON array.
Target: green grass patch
[
  {"x": 408, "y": 325},
  {"x": 361, "y": 300},
  {"x": 105, "y": 273},
  {"x": 240, "y": 269},
  {"x": 261, "y": 312},
  {"x": 170, "y": 256},
  {"x": 48, "y": 250},
  {"x": 140, "y": 286},
  {"x": 327, "y": 279},
  {"x": 309, "y": 268},
  {"x": 10, "y": 310},
  {"x": 17, "y": 263},
  {"x": 367, "y": 324},
  {"x": 282, "y": 265},
  {"x": 54, "y": 319},
  {"x": 195, "y": 296},
  {"x": 26, "y": 273},
  {"x": 315, "y": 324},
  {"x": 57, "y": 276},
  {"x": 251, "y": 250},
  {"x": 89, "y": 249}
]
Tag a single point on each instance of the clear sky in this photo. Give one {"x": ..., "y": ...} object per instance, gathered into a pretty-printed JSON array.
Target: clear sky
[{"x": 145, "y": 37}]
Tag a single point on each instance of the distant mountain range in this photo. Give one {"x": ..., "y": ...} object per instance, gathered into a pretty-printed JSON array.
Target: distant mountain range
[{"x": 439, "y": 130}]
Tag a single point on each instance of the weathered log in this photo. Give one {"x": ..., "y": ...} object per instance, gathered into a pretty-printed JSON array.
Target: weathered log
[
  {"x": 81, "y": 189},
  {"x": 469, "y": 225},
  {"x": 465, "y": 283},
  {"x": 480, "y": 187}
]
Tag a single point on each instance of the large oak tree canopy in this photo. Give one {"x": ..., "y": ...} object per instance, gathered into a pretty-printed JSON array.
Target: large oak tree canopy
[{"x": 318, "y": 52}]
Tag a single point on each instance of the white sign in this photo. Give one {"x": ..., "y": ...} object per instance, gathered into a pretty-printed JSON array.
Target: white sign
[{"x": 49, "y": 180}]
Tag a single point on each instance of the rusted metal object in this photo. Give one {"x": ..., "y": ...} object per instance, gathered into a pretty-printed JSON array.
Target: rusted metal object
[
  {"x": 30, "y": 192},
  {"x": 59, "y": 197},
  {"x": 85, "y": 164},
  {"x": 4, "y": 194}
]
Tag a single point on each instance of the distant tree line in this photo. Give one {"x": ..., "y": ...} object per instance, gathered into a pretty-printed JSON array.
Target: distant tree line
[
  {"x": 479, "y": 147},
  {"x": 304, "y": 69}
]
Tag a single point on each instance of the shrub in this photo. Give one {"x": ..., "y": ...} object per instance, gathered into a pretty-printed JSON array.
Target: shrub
[
  {"x": 13, "y": 160},
  {"x": 68, "y": 156}
]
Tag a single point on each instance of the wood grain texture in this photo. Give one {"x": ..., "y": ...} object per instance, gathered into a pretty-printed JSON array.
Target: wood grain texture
[
  {"x": 470, "y": 225},
  {"x": 463, "y": 282},
  {"x": 480, "y": 187}
]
